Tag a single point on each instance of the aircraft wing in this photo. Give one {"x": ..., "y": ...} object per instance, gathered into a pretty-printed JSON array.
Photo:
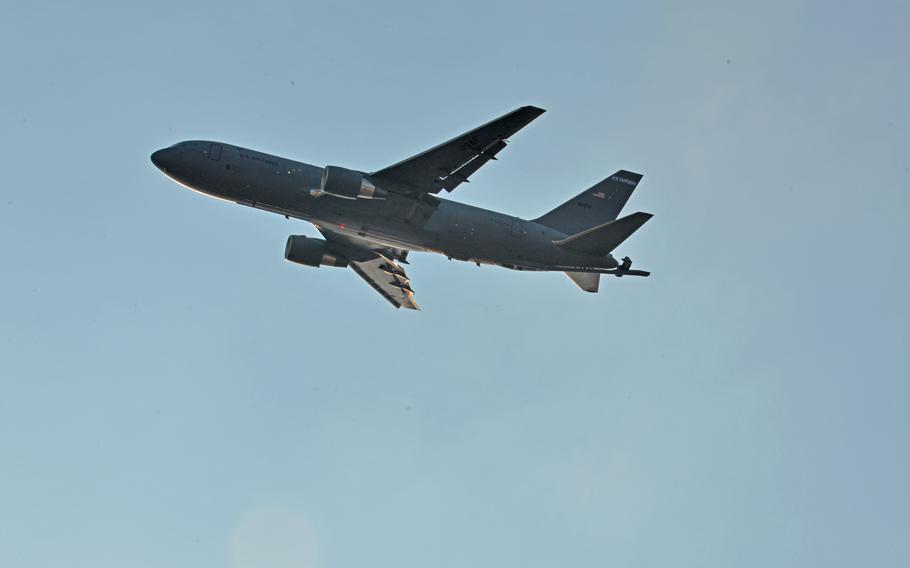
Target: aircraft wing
[
  {"x": 451, "y": 163},
  {"x": 388, "y": 278},
  {"x": 376, "y": 264}
]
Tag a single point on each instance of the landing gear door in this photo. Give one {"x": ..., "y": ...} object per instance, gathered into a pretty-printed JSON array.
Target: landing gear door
[{"x": 214, "y": 151}]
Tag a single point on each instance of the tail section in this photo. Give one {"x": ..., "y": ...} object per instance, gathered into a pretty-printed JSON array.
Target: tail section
[
  {"x": 595, "y": 206},
  {"x": 602, "y": 239},
  {"x": 587, "y": 281}
]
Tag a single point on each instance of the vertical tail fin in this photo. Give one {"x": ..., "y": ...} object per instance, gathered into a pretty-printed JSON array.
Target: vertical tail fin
[{"x": 599, "y": 204}]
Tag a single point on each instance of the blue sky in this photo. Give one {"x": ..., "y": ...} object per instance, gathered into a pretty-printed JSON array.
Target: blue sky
[{"x": 173, "y": 393}]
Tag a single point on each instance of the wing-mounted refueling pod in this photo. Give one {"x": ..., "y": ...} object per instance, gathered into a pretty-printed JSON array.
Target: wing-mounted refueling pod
[{"x": 347, "y": 184}]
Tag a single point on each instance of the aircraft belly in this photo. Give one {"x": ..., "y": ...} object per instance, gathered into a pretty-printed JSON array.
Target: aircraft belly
[{"x": 393, "y": 238}]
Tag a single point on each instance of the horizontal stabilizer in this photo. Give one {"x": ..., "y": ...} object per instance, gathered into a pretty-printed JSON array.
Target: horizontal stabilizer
[
  {"x": 587, "y": 281},
  {"x": 602, "y": 239}
]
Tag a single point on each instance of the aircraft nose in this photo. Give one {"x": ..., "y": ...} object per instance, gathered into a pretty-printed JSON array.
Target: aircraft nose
[{"x": 159, "y": 158}]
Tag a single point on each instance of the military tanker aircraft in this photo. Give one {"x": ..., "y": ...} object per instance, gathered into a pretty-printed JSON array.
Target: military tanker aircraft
[{"x": 370, "y": 221}]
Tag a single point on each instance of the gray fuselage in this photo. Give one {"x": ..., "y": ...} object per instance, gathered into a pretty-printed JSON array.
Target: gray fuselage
[{"x": 423, "y": 223}]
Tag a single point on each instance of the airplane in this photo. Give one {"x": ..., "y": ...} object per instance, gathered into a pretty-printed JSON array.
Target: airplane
[{"x": 370, "y": 221}]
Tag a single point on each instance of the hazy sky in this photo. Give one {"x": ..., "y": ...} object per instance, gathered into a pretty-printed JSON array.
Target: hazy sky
[{"x": 173, "y": 393}]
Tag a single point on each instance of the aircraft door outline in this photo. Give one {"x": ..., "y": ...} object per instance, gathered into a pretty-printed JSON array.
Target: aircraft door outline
[{"x": 214, "y": 151}]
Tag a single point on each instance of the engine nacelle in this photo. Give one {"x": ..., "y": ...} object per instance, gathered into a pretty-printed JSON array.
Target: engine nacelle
[
  {"x": 347, "y": 184},
  {"x": 311, "y": 252}
]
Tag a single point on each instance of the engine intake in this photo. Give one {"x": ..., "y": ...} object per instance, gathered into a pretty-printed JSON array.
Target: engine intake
[
  {"x": 347, "y": 184},
  {"x": 311, "y": 252}
]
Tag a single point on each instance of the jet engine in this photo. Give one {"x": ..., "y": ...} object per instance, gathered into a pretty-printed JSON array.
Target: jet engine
[
  {"x": 311, "y": 252},
  {"x": 347, "y": 184}
]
